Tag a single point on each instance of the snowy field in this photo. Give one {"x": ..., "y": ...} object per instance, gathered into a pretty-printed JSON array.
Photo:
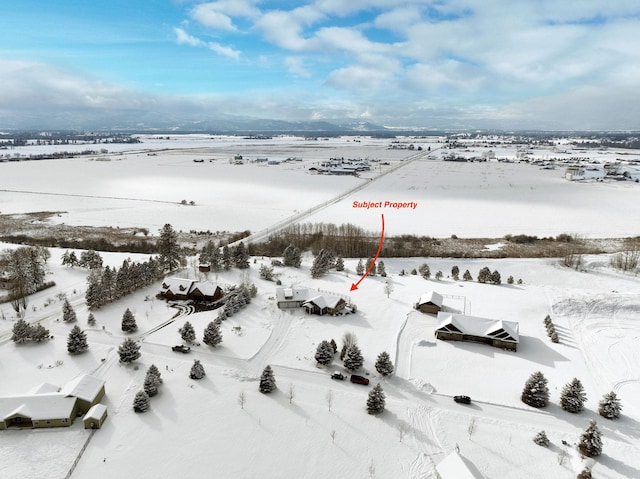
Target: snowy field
[
  {"x": 135, "y": 189},
  {"x": 596, "y": 313},
  {"x": 198, "y": 428}
]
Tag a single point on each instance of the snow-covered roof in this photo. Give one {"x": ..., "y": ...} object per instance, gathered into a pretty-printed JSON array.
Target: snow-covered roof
[
  {"x": 431, "y": 297},
  {"x": 454, "y": 467},
  {"x": 207, "y": 288},
  {"x": 322, "y": 301},
  {"x": 96, "y": 412},
  {"x": 495, "y": 328},
  {"x": 45, "y": 388},
  {"x": 83, "y": 387},
  {"x": 291, "y": 294},
  {"x": 37, "y": 406},
  {"x": 177, "y": 285}
]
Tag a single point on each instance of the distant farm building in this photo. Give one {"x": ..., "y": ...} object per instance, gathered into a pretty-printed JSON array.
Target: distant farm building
[
  {"x": 460, "y": 327},
  {"x": 430, "y": 303},
  {"x": 184, "y": 289},
  {"x": 51, "y": 406}
]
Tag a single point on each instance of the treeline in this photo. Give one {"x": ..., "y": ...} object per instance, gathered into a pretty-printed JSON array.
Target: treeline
[
  {"x": 107, "y": 284},
  {"x": 142, "y": 245}
]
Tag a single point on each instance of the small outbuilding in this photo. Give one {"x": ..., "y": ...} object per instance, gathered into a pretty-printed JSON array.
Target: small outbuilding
[
  {"x": 460, "y": 327},
  {"x": 454, "y": 466},
  {"x": 95, "y": 417},
  {"x": 430, "y": 303}
]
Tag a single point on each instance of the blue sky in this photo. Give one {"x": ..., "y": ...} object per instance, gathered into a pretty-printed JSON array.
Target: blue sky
[{"x": 439, "y": 63}]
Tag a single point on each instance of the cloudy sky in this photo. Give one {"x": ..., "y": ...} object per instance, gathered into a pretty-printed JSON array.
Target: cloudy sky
[{"x": 547, "y": 64}]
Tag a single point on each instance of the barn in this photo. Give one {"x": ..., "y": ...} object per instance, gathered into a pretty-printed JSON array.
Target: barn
[
  {"x": 430, "y": 303},
  {"x": 460, "y": 327}
]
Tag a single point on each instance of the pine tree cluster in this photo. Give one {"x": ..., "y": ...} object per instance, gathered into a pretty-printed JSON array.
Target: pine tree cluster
[
  {"x": 551, "y": 329},
  {"x": 424, "y": 271},
  {"x": 292, "y": 256},
  {"x": 109, "y": 284},
  {"x": 23, "y": 332},
  {"x": 322, "y": 263},
  {"x": 236, "y": 300},
  {"x": 486, "y": 276}
]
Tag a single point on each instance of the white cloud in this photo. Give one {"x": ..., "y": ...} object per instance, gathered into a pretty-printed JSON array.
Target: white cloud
[
  {"x": 295, "y": 66},
  {"x": 183, "y": 38},
  {"x": 207, "y": 15}
]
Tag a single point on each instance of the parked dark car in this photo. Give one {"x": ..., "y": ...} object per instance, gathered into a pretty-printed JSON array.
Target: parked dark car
[
  {"x": 358, "y": 379},
  {"x": 181, "y": 348},
  {"x": 339, "y": 376},
  {"x": 462, "y": 399}
]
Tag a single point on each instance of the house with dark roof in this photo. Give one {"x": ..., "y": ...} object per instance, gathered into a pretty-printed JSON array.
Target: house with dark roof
[
  {"x": 460, "y": 327},
  {"x": 184, "y": 289}
]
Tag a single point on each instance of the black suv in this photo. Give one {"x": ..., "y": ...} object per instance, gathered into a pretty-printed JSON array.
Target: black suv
[
  {"x": 358, "y": 379},
  {"x": 338, "y": 376},
  {"x": 462, "y": 399},
  {"x": 181, "y": 349}
]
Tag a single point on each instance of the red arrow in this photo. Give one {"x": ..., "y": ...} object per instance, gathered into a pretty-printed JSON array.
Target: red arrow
[{"x": 354, "y": 286}]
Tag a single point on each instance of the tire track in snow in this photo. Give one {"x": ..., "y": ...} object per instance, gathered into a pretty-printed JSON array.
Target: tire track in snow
[{"x": 425, "y": 441}]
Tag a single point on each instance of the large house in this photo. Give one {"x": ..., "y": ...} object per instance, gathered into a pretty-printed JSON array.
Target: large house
[
  {"x": 183, "y": 289},
  {"x": 430, "y": 302},
  {"x": 323, "y": 304},
  {"x": 314, "y": 302},
  {"x": 460, "y": 327},
  {"x": 51, "y": 406}
]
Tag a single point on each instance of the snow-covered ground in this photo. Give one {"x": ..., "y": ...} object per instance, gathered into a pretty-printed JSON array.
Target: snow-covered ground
[{"x": 198, "y": 428}]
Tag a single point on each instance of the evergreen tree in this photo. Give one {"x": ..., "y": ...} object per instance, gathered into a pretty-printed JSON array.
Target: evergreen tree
[
  {"x": 324, "y": 261},
  {"x": 353, "y": 358},
  {"x": 384, "y": 365},
  {"x": 376, "y": 400},
  {"x": 590, "y": 444},
  {"x": 438, "y": 275},
  {"x": 187, "y": 332},
  {"x": 510, "y": 280},
  {"x": 536, "y": 391},
  {"x": 292, "y": 256},
  {"x": 93, "y": 295},
  {"x": 484, "y": 275},
  {"x": 266, "y": 272},
  {"x": 128, "y": 351},
  {"x": 381, "y": 270},
  {"x": 91, "y": 320},
  {"x": 367, "y": 265},
  {"x": 129, "y": 321},
  {"x": 467, "y": 276},
  {"x": 241, "y": 256},
  {"x": 65, "y": 258},
  {"x": 77, "y": 341},
  {"x": 360, "y": 268},
  {"x": 150, "y": 385},
  {"x": 455, "y": 272},
  {"x": 39, "y": 333},
  {"x": 424, "y": 271},
  {"x": 226, "y": 258},
  {"x": 68, "y": 314},
  {"x": 153, "y": 370},
  {"x": 541, "y": 439},
  {"x": 267, "y": 381},
  {"x": 90, "y": 259},
  {"x": 610, "y": 407},
  {"x": 584, "y": 474},
  {"x": 123, "y": 280},
  {"x": 21, "y": 331},
  {"x": 197, "y": 370},
  {"x": 141, "y": 402},
  {"x": 573, "y": 396},
  {"x": 495, "y": 277},
  {"x": 171, "y": 255},
  {"x": 334, "y": 346},
  {"x": 339, "y": 264},
  {"x": 108, "y": 284},
  {"x": 212, "y": 334},
  {"x": 324, "y": 353}
]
